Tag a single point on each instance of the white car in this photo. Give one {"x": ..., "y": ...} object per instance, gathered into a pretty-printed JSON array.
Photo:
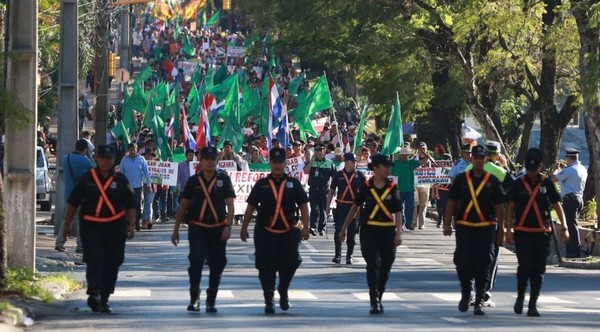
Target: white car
[{"x": 44, "y": 187}]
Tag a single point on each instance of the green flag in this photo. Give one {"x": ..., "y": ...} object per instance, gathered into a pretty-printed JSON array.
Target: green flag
[
  {"x": 295, "y": 84},
  {"x": 361, "y": 129},
  {"x": 127, "y": 115},
  {"x": 214, "y": 19},
  {"x": 393, "y": 136},
  {"x": 196, "y": 75},
  {"x": 156, "y": 124},
  {"x": 318, "y": 99},
  {"x": 177, "y": 30},
  {"x": 251, "y": 104},
  {"x": 145, "y": 74},
  {"x": 188, "y": 48},
  {"x": 233, "y": 131},
  {"x": 193, "y": 104},
  {"x": 220, "y": 75},
  {"x": 209, "y": 78},
  {"x": 201, "y": 18},
  {"x": 121, "y": 130},
  {"x": 221, "y": 90}
]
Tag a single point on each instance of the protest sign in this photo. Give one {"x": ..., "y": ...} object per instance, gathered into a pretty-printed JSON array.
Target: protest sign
[
  {"x": 432, "y": 175},
  {"x": 162, "y": 172}
]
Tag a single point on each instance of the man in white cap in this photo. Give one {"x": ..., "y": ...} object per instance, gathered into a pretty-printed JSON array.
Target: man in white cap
[{"x": 572, "y": 178}]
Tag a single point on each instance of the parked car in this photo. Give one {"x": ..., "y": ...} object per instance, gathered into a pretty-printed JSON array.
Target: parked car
[{"x": 44, "y": 186}]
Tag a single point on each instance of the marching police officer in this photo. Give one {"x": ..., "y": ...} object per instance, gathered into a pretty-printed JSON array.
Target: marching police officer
[
  {"x": 475, "y": 204},
  {"x": 319, "y": 170},
  {"x": 380, "y": 227},
  {"x": 207, "y": 204},
  {"x": 106, "y": 220},
  {"x": 532, "y": 197},
  {"x": 572, "y": 178},
  {"x": 277, "y": 236},
  {"x": 346, "y": 183}
]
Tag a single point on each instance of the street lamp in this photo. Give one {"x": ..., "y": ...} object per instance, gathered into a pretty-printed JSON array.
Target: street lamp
[{"x": 226, "y": 4}]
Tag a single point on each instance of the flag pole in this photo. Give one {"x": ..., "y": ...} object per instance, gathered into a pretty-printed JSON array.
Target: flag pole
[{"x": 330, "y": 100}]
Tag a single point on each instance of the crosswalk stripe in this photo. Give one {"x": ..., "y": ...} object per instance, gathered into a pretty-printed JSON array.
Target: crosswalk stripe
[
  {"x": 454, "y": 320},
  {"x": 225, "y": 294},
  {"x": 309, "y": 247},
  {"x": 420, "y": 261},
  {"x": 364, "y": 296},
  {"x": 450, "y": 297},
  {"x": 132, "y": 292},
  {"x": 298, "y": 295}
]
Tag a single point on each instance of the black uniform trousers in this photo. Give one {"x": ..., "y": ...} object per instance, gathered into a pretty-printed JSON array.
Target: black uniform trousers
[
  {"x": 532, "y": 250},
  {"x": 378, "y": 250},
  {"x": 473, "y": 257},
  {"x": 276, "y": 253},
  {"x": 339, "y": 216},
  {"x": 572, "y": 206},
  {"x": 318, "y": 201},
  {"x": 103, "y": 253},
  {"x": 205, "y": 243}
]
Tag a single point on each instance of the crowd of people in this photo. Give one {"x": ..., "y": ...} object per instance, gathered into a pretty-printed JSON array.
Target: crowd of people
[{"x": 484, "y": 203}]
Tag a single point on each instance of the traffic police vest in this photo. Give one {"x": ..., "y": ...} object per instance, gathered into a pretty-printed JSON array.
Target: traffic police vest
[
  {"x": 474, "y": 203},
  {"x": 102, "y": 201},
  {"x": 532, "y": 203},
  {"x": 388, "y": 221},
  {"x": 208, "y": 203}
]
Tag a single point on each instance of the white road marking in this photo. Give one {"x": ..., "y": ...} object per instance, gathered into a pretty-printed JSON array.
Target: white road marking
[
  {"x": 420, "y": 261},
  {"x": 309, "y": 246},
  {"x": 298, "y": 295},
  {"x": 454, "y": 320},
  {"x": 132, "y": 292},
  {"x": 545, "y": 299},
  {"x": 364, "y": 296},
  {"x": 564, "y": 309},
  {"x": 225, "y": 294},
  {"x": 450, "y": 297}
]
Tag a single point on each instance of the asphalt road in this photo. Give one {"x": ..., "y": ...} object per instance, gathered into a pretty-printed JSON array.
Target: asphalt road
[{"x": 422, "y": 295}]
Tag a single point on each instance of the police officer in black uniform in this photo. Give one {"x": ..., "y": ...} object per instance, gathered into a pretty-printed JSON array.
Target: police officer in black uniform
[
  {"x": 380, "y": 226},
  {"x": 475, "y": 204},
  {"x": 106, "y": 220},
  {"x": 346, "y": 183},
  {"x": 319, "y": 170},
  {"x": 277, "y": 235},
  {"x": 532, "y": 197},
  {"x": 207, "y": 204}
]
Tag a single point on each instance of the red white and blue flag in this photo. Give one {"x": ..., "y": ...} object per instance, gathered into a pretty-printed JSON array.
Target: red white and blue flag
[
  {"x": 203, "y": 135},
  {"x": 186, "y": 133},
  {"x": 278, "y": 120}
]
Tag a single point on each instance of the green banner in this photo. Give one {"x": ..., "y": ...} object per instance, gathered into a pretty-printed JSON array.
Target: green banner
[{"x": 260, "y": 167}]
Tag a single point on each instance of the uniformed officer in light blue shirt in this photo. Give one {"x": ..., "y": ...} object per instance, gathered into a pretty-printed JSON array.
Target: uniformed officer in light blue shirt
[
  {"x": 571, "y": 177},
  {"x": 462, "y": 164}
]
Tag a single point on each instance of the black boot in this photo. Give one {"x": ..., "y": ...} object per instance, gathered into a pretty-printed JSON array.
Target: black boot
[
  {"x": 375, "y": 304},
  {"x": 194, "y": 296},
  {"x": 338, "y": 255},
  {"x": 465, "y": 300},
  {"x": 211, "y": 296},
  {"x": 93, "y": 301},
  {"x": 269, "y": 305},
  {"x": 349, "y": 254},
  {"x": 104, "y": 306},
  {"x": 478, "y": 311},
  {"x": 532, "y": 311},
  {"x": 284, "y": 300},
  {"x": 519, "y": 303}
]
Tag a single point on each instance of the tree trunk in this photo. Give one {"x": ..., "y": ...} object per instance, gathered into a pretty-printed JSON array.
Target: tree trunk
[
  {"x": 3, "y": 241},
  {"x": 589, "y": 57}
]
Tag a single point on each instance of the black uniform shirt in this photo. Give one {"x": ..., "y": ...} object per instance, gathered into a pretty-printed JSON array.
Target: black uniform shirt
[
  {"x": 340, "y": 183},
  {"x": 222, "y": 190},
  {"x": 86, "y": 194},
  {"x": 489, "y": 196},
  {"x": 546, "y": 196},
  {"x": 364, "y": 196},
  {"x": 262, "y": 198}
]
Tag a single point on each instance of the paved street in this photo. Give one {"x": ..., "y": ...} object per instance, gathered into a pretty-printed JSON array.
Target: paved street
[{"x": 423, "y": 291}]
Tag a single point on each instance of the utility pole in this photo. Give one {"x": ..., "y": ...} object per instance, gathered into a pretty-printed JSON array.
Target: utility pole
[
  {"x": 125, "y": 38},
  {"x": 101, "y": 71},
  {"x": 19, "y": 159},
  {"x": 68, "y": 84}
]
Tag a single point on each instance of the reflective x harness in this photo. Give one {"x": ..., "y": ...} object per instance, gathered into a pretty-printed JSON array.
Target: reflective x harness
[
  {"x": 380, "y": 206},
  {"x": 474, "y": 203},
  {"x": 102, "y": 201},
  {"x": 348, "y": 189},
  {"x": 532, "y": 203},
  {"x": 278, "y": 196},
  {"x": 208, "y": 202}
]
